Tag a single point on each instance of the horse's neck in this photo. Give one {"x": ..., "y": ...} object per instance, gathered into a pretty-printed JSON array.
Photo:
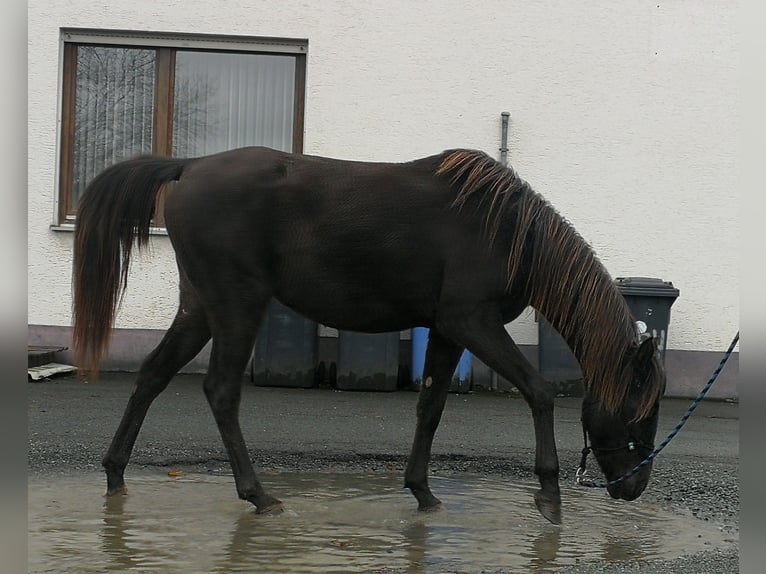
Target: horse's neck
[{"x": 580, "y": 301}]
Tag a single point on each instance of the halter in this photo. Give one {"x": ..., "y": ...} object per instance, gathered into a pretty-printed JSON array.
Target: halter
[{"x": 631, "y": 445}]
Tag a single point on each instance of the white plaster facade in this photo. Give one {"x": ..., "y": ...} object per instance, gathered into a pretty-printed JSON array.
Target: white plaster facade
[{"x": 623, "y": 114}]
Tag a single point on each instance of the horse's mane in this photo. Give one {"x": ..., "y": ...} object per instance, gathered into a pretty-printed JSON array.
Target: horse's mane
[{"x": 564, "y": 279}]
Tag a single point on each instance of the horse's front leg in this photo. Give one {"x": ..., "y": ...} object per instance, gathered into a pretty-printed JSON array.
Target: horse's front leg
[
  {"x": 442, "y": 357},
  {"x": 485, "y": 336},
  {"x": 548, "y": 498}
]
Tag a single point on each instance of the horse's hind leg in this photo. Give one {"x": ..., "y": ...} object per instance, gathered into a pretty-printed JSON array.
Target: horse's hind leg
[
  {"x": 485, "y": 336},
  {"x": 181, "y": 343},
  {"x": 442, "y": 357},
  {"x": 233, "y": 340}
]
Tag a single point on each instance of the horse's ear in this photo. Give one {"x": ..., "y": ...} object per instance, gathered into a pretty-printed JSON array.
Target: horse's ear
[{"x": 646, "y": 350}]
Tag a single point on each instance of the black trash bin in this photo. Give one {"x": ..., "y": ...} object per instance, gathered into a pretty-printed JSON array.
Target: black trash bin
[
  {"x": 368, "y": 362},
  {"x": 286, "y": 350},
  {"x": 650, "y": 300},
  {"x": 556, "y": 362}
]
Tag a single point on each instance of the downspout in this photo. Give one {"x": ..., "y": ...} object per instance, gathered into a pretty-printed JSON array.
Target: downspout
[{"x": 505, "y": 116}]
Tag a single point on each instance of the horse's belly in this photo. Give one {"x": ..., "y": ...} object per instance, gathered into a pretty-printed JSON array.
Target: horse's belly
[{"x": 357, "y": 310}]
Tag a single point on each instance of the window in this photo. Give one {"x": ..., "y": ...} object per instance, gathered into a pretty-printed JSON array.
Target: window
[{"x": 127, "y": 94}]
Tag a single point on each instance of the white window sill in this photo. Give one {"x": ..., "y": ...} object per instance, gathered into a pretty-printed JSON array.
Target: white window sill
[{"x": 70, "y": 227}]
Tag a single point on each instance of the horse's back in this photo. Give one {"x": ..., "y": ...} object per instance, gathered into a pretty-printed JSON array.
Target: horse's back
[
  {"x": 351, "y": 244},
  {"x": 290, "y": 199}
]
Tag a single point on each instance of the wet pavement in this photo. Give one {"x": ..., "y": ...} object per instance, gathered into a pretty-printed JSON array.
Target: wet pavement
[{"x": 485, "y": 440}]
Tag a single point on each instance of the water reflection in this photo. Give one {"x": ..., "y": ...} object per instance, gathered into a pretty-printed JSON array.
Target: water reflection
[
  {"x": 340, "y": 522},
  {"x": 625, "y": 548},
  {"x": 417, "y": 534},
  {"x": 114, "y": 539},
  {"x": 240, "y": 549},
  {"x": 545, "y": 548}
]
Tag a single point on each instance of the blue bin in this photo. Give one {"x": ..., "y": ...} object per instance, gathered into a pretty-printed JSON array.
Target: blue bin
[{"x": 461, "y": 379}]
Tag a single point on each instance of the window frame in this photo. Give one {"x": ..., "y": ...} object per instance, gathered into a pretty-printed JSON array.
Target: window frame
[{"x": 166, "y": 45}]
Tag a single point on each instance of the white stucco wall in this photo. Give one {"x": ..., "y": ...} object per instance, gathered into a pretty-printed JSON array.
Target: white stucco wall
[{"x": 623, "y": 114}]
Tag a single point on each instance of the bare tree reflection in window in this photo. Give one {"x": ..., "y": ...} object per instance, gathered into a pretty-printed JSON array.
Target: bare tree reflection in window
[
  {"x": 221, "y": 101},
  {"x": 227, "y": 100},
  {"x": 113, "y": 109}
]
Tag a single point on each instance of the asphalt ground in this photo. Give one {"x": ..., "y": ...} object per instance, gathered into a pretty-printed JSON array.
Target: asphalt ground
[{"x": 71, "y": 422}]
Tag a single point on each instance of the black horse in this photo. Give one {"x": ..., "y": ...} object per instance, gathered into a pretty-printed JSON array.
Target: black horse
[{"x": 455, "y": 242}]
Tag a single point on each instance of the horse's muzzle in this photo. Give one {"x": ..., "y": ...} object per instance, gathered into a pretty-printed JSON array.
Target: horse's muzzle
[{"x": 631, "y": 488}]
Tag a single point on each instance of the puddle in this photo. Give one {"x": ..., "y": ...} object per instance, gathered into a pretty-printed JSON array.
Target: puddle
[{"x": 338, "y": 522}]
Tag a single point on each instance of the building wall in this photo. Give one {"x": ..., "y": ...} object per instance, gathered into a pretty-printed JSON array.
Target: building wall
[{"x": 624, "y": 115}]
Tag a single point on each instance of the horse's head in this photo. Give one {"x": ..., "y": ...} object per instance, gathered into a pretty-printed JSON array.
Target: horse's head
[{"x": 622, "y": 439}]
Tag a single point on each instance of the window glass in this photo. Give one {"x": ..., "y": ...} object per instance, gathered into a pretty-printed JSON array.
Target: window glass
[
  {"x": 186, "y": 96},
  {"x": 225, "y": 101},
  {"x": 114, "y": 104}
]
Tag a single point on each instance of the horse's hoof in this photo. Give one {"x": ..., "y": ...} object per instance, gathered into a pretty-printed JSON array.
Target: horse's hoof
[
  {"x": 427, "y": 502},
  {"x": 548, "y": 507},
  {"x": 433, "y": 507},
  {"x": 274, "y": 508},
  {"x": 117, "y": 491}
]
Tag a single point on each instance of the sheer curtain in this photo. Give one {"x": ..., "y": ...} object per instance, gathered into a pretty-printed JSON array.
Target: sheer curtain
[{"x": 224, "y": 101}]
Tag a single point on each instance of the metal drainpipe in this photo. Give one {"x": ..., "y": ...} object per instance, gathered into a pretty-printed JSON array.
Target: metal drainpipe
[
  {"x": 505, "y": 116},
  {"x": 504, "y": 140}
]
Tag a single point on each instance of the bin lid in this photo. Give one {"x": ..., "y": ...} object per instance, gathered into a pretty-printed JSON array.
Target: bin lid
[{"x": 650, "y": 286}]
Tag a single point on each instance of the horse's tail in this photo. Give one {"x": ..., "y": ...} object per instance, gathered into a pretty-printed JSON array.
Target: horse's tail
[{"x": 116, "y": 208}]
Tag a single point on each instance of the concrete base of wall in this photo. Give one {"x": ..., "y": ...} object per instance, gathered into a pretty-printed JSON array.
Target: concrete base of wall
[
  {"x": 127, "y": 350},
  {"x": 687, "y": 371}
]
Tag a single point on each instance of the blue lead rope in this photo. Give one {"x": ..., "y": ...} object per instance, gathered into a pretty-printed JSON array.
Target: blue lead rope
[{"x": 580, "y": 474}]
